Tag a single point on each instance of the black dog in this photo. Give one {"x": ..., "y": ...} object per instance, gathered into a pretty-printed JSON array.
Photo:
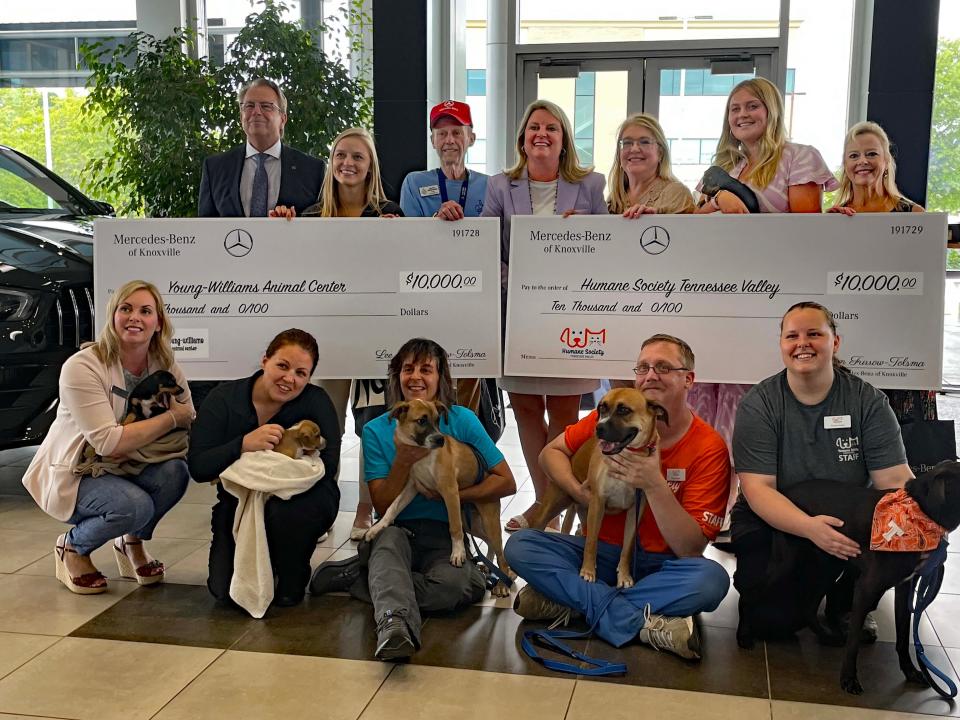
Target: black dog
[
  {"x": 151, "y": 396},
  {"x": 936, "y": 492}
]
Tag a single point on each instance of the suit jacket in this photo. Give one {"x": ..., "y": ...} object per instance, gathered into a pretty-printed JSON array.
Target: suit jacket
[
  {"x": 301, "y": 176},
  {"x": 506, "y": 198},
  {"x": 89, "y": 411}
]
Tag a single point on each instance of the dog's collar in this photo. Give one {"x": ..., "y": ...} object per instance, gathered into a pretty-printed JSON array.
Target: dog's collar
[{"x": 648, "y": 448}]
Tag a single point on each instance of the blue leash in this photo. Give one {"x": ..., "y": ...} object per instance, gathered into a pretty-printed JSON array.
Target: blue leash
[
  {"x": 930, "y": 579},
  {"x": 550, "y": 639},
  {"x": 496, "y": 574}
]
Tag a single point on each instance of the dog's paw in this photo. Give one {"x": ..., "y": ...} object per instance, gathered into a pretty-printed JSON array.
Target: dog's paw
[
  {"x": 851, "y": 685},
  {"x": 373, "y": 532},
  {"x": 588, "y": 575},
  {"x": 624, "y": 580},
  {"x": 500, "y": 590},
  {"x": 745, "y": 637},
  {"x": 915, "y": 676},
  {"x": 457, "y": 557}
]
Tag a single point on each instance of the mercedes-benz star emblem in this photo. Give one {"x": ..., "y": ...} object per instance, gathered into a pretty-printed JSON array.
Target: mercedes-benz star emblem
[
  {"x": 654, "y": 240},
  {"x": 238, "y": 243}
]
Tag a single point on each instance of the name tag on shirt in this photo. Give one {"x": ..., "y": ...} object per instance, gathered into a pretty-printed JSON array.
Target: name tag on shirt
[
  {"x": 429, "y": 190},
  {"x": 676, "y": 475},
  {"x": 836, "y": 422}
]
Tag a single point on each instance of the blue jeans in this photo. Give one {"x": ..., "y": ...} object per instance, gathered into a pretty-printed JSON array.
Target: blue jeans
[
  {"x": 667, "y": 584},
  {"x": 110, "y": 506}
]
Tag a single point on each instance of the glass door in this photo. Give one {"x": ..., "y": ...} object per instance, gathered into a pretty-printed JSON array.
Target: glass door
[{"x": 687, "y": 95}]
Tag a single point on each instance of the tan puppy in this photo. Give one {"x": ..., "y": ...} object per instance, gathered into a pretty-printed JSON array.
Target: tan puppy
[
  {"x": 451, "y": 465},
  {"x": 301, "y": 439},
  {"x": 627, "y": 423}
]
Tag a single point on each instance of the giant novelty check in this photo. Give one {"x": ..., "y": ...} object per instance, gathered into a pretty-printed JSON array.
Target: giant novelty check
[
  {"x": 586, "y": 291},
  {"x": 362, "y": 287}
]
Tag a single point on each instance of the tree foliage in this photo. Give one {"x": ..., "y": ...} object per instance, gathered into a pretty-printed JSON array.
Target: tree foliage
[
  {"x": 167, "y": 111},
  {"x": 943, "y": 192}
]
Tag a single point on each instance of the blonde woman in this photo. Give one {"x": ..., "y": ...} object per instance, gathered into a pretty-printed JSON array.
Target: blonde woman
[
  {"x": 869, "y": 174},
  {"x": 352, "y": 188},
  {"x": 641, "y": 180},
  {"x": 753, "y": 148},
  {"x": 869, "y": 185},
  {"x": 786, "y": 177},
  {"x": 94, "y": 383},
  {"x": 547, "y": 179},
  {"x": 352, "y": 185}
]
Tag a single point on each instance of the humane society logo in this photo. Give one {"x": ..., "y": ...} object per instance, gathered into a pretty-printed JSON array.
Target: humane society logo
[
  {"x": 848, "y": 449},
  {"x": 583, "y": 343}
]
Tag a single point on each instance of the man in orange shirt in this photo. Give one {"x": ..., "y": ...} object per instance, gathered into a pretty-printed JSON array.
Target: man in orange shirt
[{"x": 686, "y": 483}]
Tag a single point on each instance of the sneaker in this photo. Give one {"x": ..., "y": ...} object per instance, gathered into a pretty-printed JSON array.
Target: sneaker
[
  {"x": 531, "y": 604},
  {"x": 678, "y": 635},
  {"x": 335, "y": 575},
  {"x": 394, "y": 642}
]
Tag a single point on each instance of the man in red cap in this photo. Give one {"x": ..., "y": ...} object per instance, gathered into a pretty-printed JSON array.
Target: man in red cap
[{"x": 450, "y": 192}]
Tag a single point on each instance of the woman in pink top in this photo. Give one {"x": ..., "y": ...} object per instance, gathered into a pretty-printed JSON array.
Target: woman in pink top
[
  {"x": 786, "y": 177},
  {"x": 753, "y": 148}
]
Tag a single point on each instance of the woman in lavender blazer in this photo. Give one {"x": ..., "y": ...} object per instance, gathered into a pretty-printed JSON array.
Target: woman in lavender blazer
[{"x": 547, "y": 179}]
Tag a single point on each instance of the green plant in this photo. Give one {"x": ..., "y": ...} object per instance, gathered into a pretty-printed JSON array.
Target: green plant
[{"x": 167, "y": 111}]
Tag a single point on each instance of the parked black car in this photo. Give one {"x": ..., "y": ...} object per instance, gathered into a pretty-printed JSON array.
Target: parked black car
[{"x": 46, "y": 290}]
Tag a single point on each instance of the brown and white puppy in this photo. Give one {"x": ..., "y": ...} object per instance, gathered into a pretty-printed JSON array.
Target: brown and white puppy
[
  {"x": 301, "y": 439},
  {"x": 451, "y": 465},
  {"x": 627, "y": 423}
]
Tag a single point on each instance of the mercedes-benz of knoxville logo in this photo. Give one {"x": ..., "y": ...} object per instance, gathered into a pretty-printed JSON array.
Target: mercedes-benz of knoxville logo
[
  {"x": 238, "y": 243},
  {"x": 654, "y": 240}
]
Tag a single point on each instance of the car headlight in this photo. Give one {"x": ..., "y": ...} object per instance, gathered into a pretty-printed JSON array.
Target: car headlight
[{"x": 16, "y": 304}]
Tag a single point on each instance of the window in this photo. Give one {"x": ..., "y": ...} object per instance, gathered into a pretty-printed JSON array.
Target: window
[{"x": 476, "y": 82}]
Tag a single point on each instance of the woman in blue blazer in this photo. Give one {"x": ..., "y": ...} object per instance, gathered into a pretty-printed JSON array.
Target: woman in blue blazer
[{"x": 547, "y": 179}]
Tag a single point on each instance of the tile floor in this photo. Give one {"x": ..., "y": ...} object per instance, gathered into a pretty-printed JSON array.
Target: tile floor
[{"x": 167, "y": 652}]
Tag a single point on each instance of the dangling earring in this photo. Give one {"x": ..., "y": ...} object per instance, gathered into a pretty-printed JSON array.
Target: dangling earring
[{"x": 563, "y": 151}]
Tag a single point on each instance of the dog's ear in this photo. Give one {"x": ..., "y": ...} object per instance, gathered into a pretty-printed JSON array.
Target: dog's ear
[
  {"x": 442, "y": 410},
  {"x": 659, "y": 412},
  {"x": 399, "y": 410}
]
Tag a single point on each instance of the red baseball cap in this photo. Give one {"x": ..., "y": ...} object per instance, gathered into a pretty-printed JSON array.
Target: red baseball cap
[{"x": 457, "y": 110}]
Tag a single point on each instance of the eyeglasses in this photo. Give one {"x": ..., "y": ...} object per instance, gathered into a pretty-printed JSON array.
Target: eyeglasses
[
  {"x": 629, "y": 143},
  {"x": 267, "y": 108},
  {"x": 660, "y": 368}
]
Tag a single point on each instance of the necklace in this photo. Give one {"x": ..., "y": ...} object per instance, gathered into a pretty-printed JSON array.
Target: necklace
[{"x": 556, "y": 190}]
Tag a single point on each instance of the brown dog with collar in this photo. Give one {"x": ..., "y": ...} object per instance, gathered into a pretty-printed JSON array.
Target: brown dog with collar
[
  {"x": 627, "y": 423},
  {"x": 451, "y": 465}
]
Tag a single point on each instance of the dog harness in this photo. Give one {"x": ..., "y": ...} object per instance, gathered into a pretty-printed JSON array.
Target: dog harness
[{"x": 899, "y": 525}]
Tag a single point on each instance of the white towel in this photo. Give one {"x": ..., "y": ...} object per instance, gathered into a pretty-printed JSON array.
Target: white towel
[{"x": 253, "y": 479}]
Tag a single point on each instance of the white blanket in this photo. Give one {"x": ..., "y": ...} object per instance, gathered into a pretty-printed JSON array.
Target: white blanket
[{"x": 253, "y": 479}]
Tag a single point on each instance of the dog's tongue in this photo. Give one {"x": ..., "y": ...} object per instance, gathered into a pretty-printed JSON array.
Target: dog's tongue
[{"x": 606, "y": 446}]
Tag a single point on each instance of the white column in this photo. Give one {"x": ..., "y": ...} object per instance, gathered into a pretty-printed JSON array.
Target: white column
[
  {"x": 498, "y": 82},
  {"x": 160, "y": 17}
]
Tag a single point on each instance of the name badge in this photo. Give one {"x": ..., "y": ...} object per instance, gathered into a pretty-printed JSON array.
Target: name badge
[
  {"x": 676, "y": 475},
  {"x": 836, "y": 422},
  {"x": 429, "y": 190}
]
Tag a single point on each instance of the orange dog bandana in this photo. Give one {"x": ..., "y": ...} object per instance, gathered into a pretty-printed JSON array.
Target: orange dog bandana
[{"x": 899, "y": 525}]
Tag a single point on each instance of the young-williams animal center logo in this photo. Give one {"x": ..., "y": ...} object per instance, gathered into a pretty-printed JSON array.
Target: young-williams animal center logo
[{"x": 583, "y": 342}]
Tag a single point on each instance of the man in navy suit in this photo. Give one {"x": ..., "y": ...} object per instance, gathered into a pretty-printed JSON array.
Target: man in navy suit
[{"x": 249, "y": 181}]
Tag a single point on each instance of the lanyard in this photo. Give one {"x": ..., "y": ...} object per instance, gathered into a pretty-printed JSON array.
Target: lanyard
[{"x": 442, "y": 182}]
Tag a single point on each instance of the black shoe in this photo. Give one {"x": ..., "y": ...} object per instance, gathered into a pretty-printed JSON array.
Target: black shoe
[
  {"x": 394, "y": 642},
  {"x": 335, "y": 575},
  {"x": 288, "y": 600}
]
